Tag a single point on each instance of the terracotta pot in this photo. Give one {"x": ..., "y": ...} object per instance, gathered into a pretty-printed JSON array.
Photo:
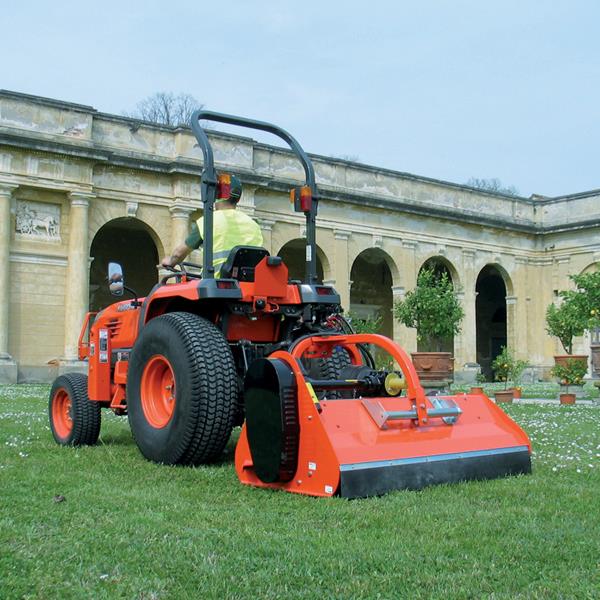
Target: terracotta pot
[
  {"x": 433, "y": 366},
  {"x": 567, "y": 398},
  {"x": 516, "y": 392},
  {"x": 504, "y": 396},
  {"x": 561, "y": 359},
  {"x": 476, "y": 390}
]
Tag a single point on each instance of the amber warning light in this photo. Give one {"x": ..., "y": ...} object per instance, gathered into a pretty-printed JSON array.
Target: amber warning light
[
  {"x": 224, "y": 186},
  {"x": 301, "y": 197}
]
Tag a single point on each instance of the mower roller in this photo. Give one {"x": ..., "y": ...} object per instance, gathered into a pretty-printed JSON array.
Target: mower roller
[{"x": 202, "y": 353}]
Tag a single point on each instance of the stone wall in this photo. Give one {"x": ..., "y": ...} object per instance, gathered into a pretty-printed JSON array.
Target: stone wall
[{"x": 67, "y": 170}]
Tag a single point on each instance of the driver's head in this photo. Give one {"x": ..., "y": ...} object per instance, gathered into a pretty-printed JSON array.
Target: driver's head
[{"x": 235, "y": 191}]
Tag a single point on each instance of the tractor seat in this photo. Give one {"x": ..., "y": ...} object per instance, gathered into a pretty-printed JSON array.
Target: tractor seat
[{"x": 241, "y": 262}]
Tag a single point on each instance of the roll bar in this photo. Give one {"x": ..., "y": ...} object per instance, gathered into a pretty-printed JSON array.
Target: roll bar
[{"x": 208, "y": 185}]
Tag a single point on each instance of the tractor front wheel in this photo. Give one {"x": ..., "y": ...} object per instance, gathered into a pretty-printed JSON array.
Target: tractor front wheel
[
  {"x": 74, "y": 418},
  {"x": 181, "y": 390}
]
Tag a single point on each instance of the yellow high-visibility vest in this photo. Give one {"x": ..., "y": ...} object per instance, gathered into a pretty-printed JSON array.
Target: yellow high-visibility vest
[{"x": 231, "y": 228}]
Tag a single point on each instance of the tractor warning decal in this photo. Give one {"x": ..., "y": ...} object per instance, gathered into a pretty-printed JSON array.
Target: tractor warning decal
[{"x": 103, "y": 345}]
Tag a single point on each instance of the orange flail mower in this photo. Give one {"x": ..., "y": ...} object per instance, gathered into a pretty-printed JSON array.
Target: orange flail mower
[
  {"x": 373, "y": 441},
  {"x": 203, "y": 353}
]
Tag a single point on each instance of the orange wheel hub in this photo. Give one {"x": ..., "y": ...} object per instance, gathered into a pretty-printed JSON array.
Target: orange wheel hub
[
  {"x": 61, "y": 413},
  {"x": 158, "y": 391}
]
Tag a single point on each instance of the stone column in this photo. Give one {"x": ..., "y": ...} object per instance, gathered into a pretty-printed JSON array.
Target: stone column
[
  {"x": 266, "y": 227},
  {"x": 77, "y": 283},
  {"x": 8, "y": 367},
  {"x": 180, "y": 229},
  {"x": 341, "y": 268},
  {"x": 522, "y": 284},
  {"x": 465, "y": 343},
  {"x": 180, "y": 223},
  {"x": 406, "y": 336}
]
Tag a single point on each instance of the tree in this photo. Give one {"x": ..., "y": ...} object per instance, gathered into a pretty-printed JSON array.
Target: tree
[
  {"x": 492, "y": 185},
  {"x": 166, "y": 108},
  {"x": 432, "y": 308},
  {"x": 579, "y": 310}
]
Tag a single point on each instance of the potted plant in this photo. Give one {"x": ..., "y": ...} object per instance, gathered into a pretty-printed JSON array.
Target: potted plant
[
  {"x": 516, "y": 373},
  {"x": 579, "y": 311},
  {"x": 570, "y": 373},
  {"x": 502, "y": 366},
  {"x": 434, "y": 310},
  {"x": 478, "y": 389}
]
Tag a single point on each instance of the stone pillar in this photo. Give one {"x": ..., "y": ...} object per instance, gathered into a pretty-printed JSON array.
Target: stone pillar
[
  {"x": 522, "y": 283},
  {"x": 247, "y": 203},
  {"x": 465, "y": 343},
  {"x": 180, "y": 229},
  {"x": 406, "y": 336},
  {"x": 266, "y": 227},
  {"x": 77, "y": 283},
  {"x": 180, "y": 223},
  {"x": 8, "y": 367},
  {"x": 341, "y": 268}
]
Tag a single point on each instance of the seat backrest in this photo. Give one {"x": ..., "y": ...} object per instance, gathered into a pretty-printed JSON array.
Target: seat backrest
[{"x": 241, "y": 262}]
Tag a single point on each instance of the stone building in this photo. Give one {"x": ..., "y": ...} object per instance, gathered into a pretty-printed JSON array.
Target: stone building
[{"x": 79, "y": 188}]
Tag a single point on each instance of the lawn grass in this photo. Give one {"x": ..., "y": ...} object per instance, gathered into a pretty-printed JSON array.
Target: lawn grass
[{"x": 132, "y": 529}]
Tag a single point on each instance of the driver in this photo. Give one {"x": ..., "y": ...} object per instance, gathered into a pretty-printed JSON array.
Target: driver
[{"x": 231, "y": 228}]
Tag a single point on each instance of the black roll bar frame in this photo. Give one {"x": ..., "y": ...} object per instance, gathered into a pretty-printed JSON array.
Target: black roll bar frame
[{"x": 208, "y": 185}]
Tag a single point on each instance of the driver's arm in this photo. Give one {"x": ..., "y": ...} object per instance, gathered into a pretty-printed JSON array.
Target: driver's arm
[{"x": 192, "y": 242}]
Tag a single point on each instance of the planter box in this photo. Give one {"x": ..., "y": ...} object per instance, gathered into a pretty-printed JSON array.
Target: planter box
[
  {"x": 561, "y": 359},
  {"x": 503, "y": 396},
  {"x": 433, "y": 366}
]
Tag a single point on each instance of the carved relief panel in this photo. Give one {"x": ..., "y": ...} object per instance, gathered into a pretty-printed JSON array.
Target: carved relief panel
[{"x": 38, "y": 220}]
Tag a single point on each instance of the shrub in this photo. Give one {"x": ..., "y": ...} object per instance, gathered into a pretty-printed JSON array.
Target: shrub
[
  {"x": 571, "y": 373},
  {"x": 579, "y": 310},
  {"x": 502, "y": 366},
  {"x": 432, "y": 308}
]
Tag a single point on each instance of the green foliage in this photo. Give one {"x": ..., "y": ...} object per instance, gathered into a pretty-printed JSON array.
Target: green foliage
[
  {"x": 579, "y": 310},
  {"x": 571, "y": 373},
  {"x": 503, "y": 365},
  {"x": 432, "y": 308},
  {"x": 366, "y": 325},
  {"x": 565, "y": 322},
  {"x": 516, "y": 371}
]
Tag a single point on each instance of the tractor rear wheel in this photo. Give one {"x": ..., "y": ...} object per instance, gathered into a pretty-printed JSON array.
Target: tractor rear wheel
[
  {"x": 330, "y": 368},
  {"x": 182, "y": 390},
  {"x": 74, "y": 418}
]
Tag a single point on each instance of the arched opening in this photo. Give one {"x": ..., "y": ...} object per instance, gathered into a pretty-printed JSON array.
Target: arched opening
[
  {"x": 490, "y": 311},
  {"x": 424, "y": 344},
  {"x": 129, "y": 242},
  {"x": 371, "y": 291},
  {"x": 293, "y": 254}
]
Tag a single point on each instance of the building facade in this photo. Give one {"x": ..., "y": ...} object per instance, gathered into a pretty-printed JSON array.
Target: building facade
[{"x": 79, "y": 188}]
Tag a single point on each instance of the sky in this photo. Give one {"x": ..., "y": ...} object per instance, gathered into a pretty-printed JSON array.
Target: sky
[{"x": 447, "y": 90}]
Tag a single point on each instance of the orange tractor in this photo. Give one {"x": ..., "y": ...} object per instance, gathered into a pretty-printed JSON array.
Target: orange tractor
[{"x": 201, "y": 354}]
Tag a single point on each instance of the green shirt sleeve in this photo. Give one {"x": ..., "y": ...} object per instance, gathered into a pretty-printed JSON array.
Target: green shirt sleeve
[{"x": 194, "y": 240}]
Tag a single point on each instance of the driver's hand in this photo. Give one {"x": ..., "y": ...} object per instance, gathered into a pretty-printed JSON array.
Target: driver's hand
[{"x": 167, "y": 261}]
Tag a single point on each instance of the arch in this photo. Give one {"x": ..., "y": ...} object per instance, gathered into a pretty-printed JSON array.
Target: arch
[
  {"x": 371, "y": 288},
  {"x": 293, "y": 253},
  {"x": 442, "y": 264},
  {"x": 492, "y": 287},
  {"x": 439, "y": 264},
  {"x": 131, "y": 243},
  {"x": 590, "y": 268},
  {"x": 390, "y": 262}
]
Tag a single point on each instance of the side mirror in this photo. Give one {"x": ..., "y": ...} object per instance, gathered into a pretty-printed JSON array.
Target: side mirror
[{"x": 116, "y": 285}]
